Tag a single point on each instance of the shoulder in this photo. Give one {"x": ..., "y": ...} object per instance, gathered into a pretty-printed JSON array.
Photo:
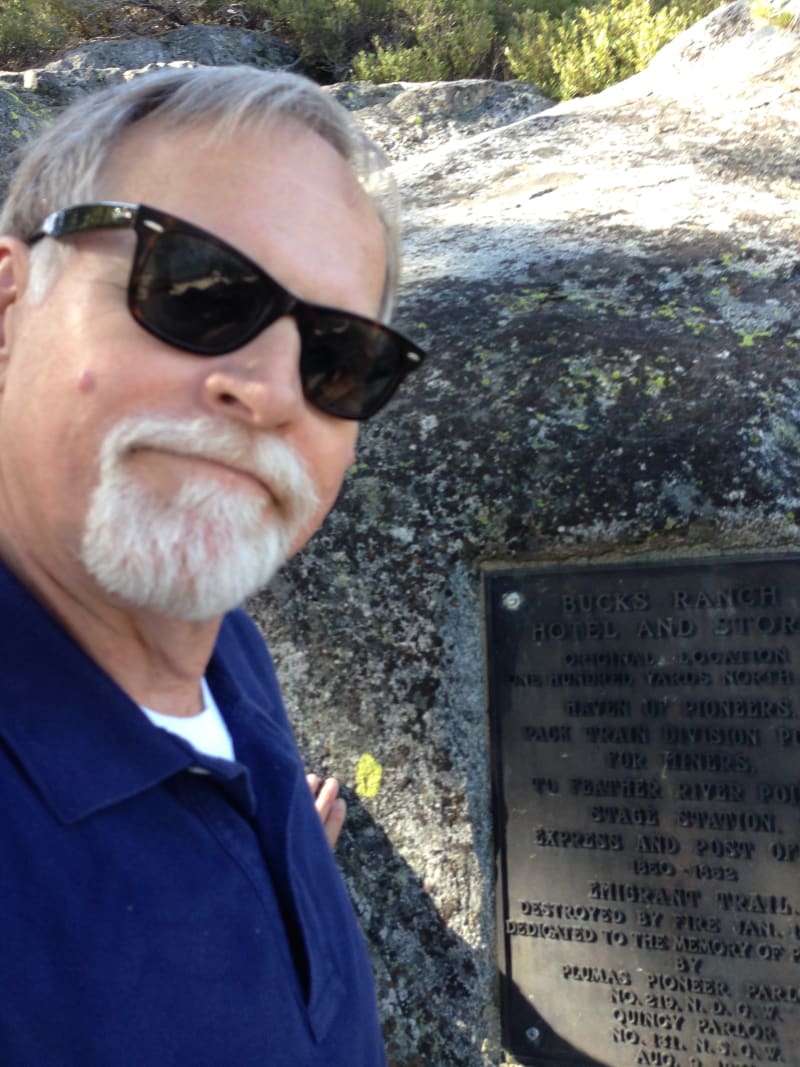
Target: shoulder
[
  {"x": 239, "y": 636},
  {"x": 241, "y": 642},
  {"x": 241, "y": 663}
]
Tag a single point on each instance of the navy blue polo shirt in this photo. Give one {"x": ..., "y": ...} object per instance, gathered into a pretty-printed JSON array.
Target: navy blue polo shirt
[{"x": 160, "y": 907}]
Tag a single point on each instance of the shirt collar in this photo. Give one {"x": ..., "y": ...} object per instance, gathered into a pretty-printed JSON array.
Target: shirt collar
[{"x": 83, "y": 742}]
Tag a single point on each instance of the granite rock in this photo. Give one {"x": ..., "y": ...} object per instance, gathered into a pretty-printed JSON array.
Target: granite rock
[{"x": 609, "y": 291}]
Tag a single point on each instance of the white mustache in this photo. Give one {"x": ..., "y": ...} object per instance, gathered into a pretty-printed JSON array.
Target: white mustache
[{"x": 268, "y": 459}]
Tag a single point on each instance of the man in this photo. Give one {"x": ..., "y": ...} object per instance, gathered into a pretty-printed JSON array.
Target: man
[{"x": 189, "y": 286}]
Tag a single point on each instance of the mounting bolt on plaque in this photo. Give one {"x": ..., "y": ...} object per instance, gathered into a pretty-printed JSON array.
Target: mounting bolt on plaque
[
  {"x": 534, "y": 1035},
  {"x": 511, "y": 601}
]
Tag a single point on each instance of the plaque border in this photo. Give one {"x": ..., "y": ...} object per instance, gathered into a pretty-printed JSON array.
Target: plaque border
[{"x": 554, "y": 1051}]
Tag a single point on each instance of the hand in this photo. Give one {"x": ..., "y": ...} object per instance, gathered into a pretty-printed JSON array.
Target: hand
[{"x": 331, "y": 808}]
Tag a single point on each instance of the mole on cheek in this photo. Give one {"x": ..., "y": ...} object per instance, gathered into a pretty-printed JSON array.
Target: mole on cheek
[{"x": 87, "y": 382}]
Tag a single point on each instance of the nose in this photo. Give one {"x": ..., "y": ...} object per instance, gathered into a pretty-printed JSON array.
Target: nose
[{"x": 260, "y": 383}]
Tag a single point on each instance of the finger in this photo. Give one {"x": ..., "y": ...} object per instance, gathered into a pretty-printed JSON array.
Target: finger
[
  {"x": 335, "y": 821},
  {"x": 325, "y": 798}
]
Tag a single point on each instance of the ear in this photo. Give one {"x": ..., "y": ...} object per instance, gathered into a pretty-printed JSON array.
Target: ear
[{"x": 14, "y": 269}]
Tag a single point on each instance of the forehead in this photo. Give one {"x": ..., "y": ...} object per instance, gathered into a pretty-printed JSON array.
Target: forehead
[
  {"x": 282, "y": 194},
  {"x": 249, "y": 151}
]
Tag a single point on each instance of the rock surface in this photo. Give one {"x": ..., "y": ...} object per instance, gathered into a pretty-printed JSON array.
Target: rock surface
[{"x": 609, "y": 292}]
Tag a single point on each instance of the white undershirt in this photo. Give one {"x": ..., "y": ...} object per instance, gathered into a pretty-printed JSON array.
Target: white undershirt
[{"x": 206, "y": 731}]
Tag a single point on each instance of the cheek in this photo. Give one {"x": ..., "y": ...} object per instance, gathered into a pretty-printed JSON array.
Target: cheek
[
  {"x": 330, "y": 468},
  {"x": 87, "y": 382},
  {"x": 327, "y": 467}
]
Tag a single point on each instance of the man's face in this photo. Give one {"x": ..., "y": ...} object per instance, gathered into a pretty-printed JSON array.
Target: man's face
[{"x": 211, "y": 466}]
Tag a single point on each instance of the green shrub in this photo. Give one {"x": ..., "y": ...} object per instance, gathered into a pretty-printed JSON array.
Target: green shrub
[
  {"x": 30, "y": 29},
  {"x": 327, "y": 33},
  {"x": 27, "y": 27},
  {"x": 782, "y": 14},
  {"x": 587, "y": 49},
  {"x": 434, "y": 40},
  {"x": 566, "y": 50}
]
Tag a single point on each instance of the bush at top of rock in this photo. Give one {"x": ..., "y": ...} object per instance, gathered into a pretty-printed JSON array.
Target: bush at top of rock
[{"x": 565, "y": 47}]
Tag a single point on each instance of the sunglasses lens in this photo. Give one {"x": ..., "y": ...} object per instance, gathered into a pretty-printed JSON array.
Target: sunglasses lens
[
  {"x": 198, "y": 295},
  {"x": 349, "y": 367}
]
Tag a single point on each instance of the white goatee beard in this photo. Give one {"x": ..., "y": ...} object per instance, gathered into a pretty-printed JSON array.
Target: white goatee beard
[{"x": 202, "y": 551}]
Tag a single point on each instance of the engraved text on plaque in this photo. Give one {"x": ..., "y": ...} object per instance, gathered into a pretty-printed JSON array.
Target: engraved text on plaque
[{"x": 646, "y": 749}]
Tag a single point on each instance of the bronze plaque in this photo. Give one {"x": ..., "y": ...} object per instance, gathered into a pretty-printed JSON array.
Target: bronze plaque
[{"x": 646, "y": 754}]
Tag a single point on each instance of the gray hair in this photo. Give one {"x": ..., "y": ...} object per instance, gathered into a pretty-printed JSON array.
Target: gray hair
[{"x": 63, "y": 164}]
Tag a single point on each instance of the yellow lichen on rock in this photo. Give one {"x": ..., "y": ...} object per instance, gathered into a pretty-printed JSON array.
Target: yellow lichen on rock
[{"x": 368, "y": 776}]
